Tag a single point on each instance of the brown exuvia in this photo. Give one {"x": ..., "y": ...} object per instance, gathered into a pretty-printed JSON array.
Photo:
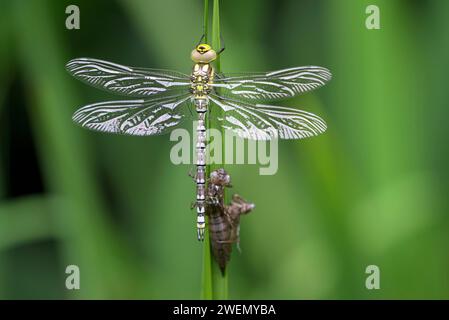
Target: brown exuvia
[{"x": 224, "y": 220}]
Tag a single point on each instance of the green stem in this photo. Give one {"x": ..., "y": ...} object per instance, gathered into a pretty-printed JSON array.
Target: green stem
[
  {"x": 215, "y": 285},
  {"x": 219, "y": 281},
  {"x": 206, "y": 288},
  {"x": 206, "y": 21}
]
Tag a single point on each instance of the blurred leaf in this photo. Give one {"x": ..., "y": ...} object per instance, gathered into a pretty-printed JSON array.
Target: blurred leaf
[
  {"x": 394, "y": 214},
  {"x": 26, "y": 220},
  {"x": 170, "y": 28},
  {"x": 5, "y": 61},
  {"x": 87, "y": 235},
  {"x": 368, "y": 191},
  {"x": 309, "y": 272}
]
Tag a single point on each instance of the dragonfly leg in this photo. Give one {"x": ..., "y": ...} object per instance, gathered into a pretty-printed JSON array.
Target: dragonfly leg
[
  {"x": 228, "y": 217},
  {"x": 190, "y": 110},
  {"x": 238, "y": 246},
  {"x": 222, "y": 45},
  {"x": 213, "y": 201},
  {"x": 228, "y": 241},
  {"x": 191, "y": 174},
  {"x": 201, "y": 40}
]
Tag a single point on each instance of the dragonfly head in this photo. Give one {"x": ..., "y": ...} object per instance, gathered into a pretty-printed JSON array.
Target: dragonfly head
[{"x": 203, "y": 53}]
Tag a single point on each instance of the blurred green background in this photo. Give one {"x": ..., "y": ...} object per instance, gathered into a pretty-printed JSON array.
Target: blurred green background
[{"x": 372, "y": 190}]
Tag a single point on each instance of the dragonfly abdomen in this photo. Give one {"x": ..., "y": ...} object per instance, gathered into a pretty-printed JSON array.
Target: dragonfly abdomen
[
  {"x": 201, "y": 78},
  {"x": 201, "y": 108}
]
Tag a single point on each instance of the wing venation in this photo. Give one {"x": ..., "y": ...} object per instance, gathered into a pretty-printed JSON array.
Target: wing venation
[
  {"x": 133, "y": 82},
  {"x": 142, "y": 117},
  {"x": 271, "y": 85},
  {"x": 264, "y": 122}
]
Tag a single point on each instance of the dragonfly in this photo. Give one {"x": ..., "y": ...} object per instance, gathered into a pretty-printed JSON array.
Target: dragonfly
[{"x": 160, "y": 100}]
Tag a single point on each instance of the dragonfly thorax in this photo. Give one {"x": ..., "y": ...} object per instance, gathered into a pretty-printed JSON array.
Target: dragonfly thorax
[{"x": 202, "y": 75}]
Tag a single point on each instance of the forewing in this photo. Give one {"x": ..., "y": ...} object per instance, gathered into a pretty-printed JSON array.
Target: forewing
[
  {"x": 133, "y": 82},
  {"x": 271, "y": 85},
  {"x": 263, "y": 122},
  {"x": 134, "y": 117}
]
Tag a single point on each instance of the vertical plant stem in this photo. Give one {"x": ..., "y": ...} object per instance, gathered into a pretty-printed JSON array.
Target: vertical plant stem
[
  {"x": 206, "y": 288},
  {"x": 5, "y": 54},
  {"x": 215, "y": 285},
  {"x": 219, "y": 281},
  {"x": 206, "y": 21}
]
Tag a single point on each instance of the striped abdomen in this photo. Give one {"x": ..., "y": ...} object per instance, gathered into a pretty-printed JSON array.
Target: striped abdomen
[
  {"x": 201, "y": 108},
  {"x": 201, "y": 77}
]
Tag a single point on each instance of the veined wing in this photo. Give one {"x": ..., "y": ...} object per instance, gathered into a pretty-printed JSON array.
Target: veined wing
[
  {"x": 134, "y": 82},
  {"x": 262, "y": 122},
  {"x": 134, "y": 117},
  {"x": 271, "y": 85}
]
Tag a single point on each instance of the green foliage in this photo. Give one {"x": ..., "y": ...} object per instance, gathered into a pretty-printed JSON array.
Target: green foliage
[{"x": 371, "y": 190}]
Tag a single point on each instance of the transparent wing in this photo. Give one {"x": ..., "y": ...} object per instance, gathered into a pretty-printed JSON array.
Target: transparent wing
[
  {"x": 262, "y": 122},
  {"x": 134, "y": 82},
  {"x": 271, "y": 85},
  {"x": 134, "y": 117}
]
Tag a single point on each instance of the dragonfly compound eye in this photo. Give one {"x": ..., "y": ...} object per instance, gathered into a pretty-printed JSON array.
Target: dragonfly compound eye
[{"x": 203, "y": 54}]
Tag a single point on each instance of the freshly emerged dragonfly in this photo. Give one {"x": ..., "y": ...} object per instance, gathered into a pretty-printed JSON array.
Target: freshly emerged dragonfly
[{"x": 164, "y": 100}]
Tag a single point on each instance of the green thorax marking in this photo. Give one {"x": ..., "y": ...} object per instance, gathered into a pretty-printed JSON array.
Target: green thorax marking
[{"x": 202, "y": 77}]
